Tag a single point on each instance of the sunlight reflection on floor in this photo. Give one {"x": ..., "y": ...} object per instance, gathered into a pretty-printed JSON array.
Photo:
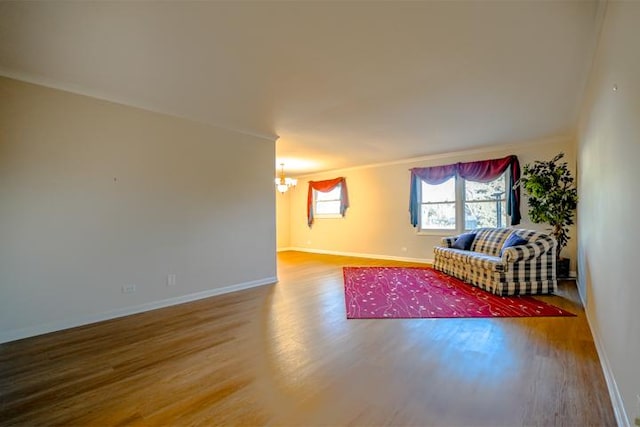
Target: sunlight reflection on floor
[{"x": 479, "y": 347}]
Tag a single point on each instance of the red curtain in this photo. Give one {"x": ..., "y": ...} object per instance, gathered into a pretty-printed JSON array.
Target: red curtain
[
  {"x": 437, "y": 174},
  {"x": 485, "y": 170},
  {"x": 325, "y": 187}
]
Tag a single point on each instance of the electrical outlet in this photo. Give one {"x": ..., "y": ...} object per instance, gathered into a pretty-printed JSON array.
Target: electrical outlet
[
  {"x": 128, "y": 289},
  {"x": 171, "y": 279}
]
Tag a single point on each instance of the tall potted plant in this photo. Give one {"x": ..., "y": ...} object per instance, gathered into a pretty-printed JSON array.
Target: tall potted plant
[{"x": 553, "y": 199}]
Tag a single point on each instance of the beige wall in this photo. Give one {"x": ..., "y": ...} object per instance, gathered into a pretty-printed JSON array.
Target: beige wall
[
  {"x": 377, "y": 222},
  {"x": 95, "y": 195},
  {"x": 608, "y": 154},
  {"x": 283, "y": 218}
]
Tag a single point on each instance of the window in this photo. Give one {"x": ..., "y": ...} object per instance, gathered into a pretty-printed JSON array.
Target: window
[
  {"x": 439, "y": 206},
  {"x": 483, "y": 204},
  {"x": 327, "y": 205},
  {"x": 327, "y": 199}
]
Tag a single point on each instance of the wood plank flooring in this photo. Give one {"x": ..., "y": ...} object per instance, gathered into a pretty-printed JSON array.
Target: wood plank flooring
[{"x": 286, "y": 355}]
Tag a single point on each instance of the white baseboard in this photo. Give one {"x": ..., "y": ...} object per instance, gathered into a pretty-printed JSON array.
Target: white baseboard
[
  {"x": 284, "y": 249},
  {"x": 362, "y": 255},
  {"x": 614, "y": 393},
  {"x": 31, "y": 331}
]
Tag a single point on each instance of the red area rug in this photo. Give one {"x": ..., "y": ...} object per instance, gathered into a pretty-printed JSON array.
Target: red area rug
[{"x": 415, "y": 292}]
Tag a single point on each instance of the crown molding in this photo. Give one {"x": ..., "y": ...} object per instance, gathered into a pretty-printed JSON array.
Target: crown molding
[{"x": 446, "y": 155}]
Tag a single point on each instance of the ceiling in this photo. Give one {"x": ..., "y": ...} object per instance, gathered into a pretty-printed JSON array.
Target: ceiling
[{"x": 340, "y": 83}]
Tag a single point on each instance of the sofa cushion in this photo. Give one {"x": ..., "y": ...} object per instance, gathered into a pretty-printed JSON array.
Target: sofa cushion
[
  {"x": 451, "y": 253},
  {"x": 489, "y": 241},
  {"x": 488, "y": 262},
  {"x": 464, "y": 241},
  {"x": 513, "y": 240}
]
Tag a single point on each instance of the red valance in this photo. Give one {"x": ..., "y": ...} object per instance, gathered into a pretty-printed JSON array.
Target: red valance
[{"x": 325, "y": 187}]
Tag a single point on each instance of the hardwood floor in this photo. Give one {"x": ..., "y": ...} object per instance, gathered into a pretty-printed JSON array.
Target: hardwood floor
[{"x": 286, "y": 355}]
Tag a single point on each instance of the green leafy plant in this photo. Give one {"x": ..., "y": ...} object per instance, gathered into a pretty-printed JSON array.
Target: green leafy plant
[{"x": 553, "y": 197}]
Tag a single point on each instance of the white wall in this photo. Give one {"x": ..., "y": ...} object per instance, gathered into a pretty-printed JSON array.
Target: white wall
[
  {"x": 95, "y": 195},
  {"x": 608, "y": 155},
  {"x": 377, "y": 221}
]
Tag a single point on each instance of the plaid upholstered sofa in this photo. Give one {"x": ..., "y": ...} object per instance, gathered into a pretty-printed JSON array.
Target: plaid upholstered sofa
[{"x": 528, "y": 268}]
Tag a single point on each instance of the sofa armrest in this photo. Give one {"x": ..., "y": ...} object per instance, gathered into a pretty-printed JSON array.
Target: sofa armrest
[
  {"x": 447, "y": 242},
  {"x": 529, "y": 251}
]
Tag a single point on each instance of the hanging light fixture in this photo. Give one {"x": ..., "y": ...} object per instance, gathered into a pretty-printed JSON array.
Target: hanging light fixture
[{"x": 282, "y": 183}]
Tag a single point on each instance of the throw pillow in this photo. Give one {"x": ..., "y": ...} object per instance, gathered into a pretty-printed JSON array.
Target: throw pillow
[
  {"x": 464, "y": 241},
  {"x": 513, "y": 240}
]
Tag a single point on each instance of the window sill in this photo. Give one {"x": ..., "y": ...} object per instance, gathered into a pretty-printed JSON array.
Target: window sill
[
  {"x": 328, "y": 216},
  {"x": 438, "y": 233}
]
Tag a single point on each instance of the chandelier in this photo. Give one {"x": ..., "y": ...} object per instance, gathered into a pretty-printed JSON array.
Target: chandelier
[{"x": 282, "y": 183}]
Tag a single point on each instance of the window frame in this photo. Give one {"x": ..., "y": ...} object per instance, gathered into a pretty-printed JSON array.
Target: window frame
[
  {"x": 439, "y": 231},
  {"x": 460, "y": 202},
  {"x": 332, "y": 215},
  {"x": 504, "y": 215}
]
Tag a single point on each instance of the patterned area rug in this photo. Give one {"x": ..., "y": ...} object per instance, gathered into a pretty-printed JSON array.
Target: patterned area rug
[{"x": 417, "y": 292}]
